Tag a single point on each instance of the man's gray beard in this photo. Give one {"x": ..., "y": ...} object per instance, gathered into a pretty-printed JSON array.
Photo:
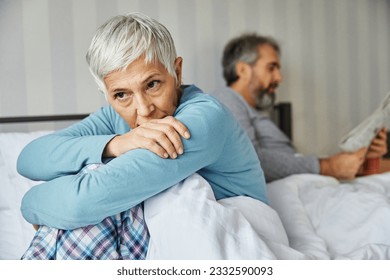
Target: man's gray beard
[{"x": 265, "y": 101}]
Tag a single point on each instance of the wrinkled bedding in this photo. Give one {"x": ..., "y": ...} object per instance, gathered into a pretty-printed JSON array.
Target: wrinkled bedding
[
  {"x": 328, "y": 219},
  {"x": 309, "y": 217}
]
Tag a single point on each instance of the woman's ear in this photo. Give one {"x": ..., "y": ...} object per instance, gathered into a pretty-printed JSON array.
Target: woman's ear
[{"x": 178, "y": 69}]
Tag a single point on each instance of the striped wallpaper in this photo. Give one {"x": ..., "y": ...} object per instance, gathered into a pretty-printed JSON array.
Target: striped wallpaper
[{"x": 335, "y": 55}]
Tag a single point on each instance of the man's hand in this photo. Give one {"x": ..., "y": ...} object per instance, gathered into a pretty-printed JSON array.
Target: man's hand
[
  {"x": 378, "y": 146},
  {"x": 160, "y": 136},
  {"x": 343, "y": 166}
]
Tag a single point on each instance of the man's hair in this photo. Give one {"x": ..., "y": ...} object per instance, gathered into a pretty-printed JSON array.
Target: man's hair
[
  {"x": 243, "y": 48},
  {"x": 125, "y": 38}
]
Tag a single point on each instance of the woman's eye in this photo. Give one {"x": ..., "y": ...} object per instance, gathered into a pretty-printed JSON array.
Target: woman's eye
[
  {"x": 152, "y": 84},
  {"x": 121, "y": 96}
]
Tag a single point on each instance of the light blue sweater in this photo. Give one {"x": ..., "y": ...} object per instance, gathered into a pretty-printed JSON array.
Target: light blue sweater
[{"x": 219, "y": 150}]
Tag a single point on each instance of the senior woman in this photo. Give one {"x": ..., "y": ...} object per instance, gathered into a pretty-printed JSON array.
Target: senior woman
[{"x": 154, "y": 133}]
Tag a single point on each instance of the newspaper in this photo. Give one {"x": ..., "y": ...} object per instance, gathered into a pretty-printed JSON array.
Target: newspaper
[{"x": 362, "y": 135}]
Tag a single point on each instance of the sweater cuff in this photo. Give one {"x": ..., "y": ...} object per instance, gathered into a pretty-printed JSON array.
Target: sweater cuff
[
  {"x": 314, "y": 164},
  {"x": 96, "y": 150}
]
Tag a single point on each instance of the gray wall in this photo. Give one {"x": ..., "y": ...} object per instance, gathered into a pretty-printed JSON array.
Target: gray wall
[{"x": 335, "y": 54}]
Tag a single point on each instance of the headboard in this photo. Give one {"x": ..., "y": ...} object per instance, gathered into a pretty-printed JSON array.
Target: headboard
[
  {"x": 282, "y": 116},
  {"x": 25, "y": 119},
  {"x": 38, "y": 123}
]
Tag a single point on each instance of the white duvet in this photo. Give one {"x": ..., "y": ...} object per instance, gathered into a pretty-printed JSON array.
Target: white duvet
[{"x": 309, "y": 217}]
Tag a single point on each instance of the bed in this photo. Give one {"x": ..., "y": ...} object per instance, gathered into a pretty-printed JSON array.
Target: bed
[{"x": 308, "y": 217}]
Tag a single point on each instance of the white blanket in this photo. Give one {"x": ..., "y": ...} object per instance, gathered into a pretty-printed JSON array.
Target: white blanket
[
  {"x": 328, "y": 219},
  {"x": 316, "y": 217},
  {"x": 186, "y": 222}
]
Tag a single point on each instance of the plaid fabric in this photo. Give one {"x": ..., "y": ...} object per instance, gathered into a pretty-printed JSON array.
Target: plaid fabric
[{"x": 121, "y": 237}]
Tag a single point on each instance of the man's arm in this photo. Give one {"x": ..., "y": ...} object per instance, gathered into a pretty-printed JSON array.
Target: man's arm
[{"x": 280, "y": 164}]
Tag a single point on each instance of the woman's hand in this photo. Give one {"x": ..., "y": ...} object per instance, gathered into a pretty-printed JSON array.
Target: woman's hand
[
  {"x": 160, "y": 136},
  {"x": 378, "y": 146}
]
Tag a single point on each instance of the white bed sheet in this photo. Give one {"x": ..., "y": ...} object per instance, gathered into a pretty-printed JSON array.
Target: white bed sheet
[
  {"x": 316, "y": 217},
  {"x": 328, "y": 219}
]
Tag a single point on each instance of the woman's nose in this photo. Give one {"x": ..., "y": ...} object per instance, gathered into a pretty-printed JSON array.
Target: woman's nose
[{"x": 144, "y": 106}]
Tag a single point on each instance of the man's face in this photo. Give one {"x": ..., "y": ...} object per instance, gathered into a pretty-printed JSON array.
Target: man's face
[
  {"x": 265, "y": 77},
  {"x": 143, "y": 91}
]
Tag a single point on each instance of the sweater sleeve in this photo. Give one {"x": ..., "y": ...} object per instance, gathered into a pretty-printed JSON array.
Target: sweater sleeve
[
  {"x": 278, "y": 164},
  {"x": 67, "y": 151},
  {"x": 73, "y": 201},
  {"x": 278, "y": 157}
]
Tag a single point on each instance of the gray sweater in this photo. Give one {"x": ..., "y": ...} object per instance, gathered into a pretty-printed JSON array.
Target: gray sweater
[{"x": 276, "y": 153}]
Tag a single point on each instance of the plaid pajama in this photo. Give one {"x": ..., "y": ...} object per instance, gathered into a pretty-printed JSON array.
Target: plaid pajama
[{"x": 121, "y": 237}]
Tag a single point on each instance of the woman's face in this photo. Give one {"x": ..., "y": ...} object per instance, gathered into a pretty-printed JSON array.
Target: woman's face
[{"x": 144, "y": 91}]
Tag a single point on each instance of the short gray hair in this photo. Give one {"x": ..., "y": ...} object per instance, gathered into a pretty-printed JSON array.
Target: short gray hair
[
  {"x": 123, "y": 39},
  {"x": 243, "y": 48}
]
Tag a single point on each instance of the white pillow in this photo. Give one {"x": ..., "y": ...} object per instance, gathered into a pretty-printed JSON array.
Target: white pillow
[{"x": 15, "y": 233}]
